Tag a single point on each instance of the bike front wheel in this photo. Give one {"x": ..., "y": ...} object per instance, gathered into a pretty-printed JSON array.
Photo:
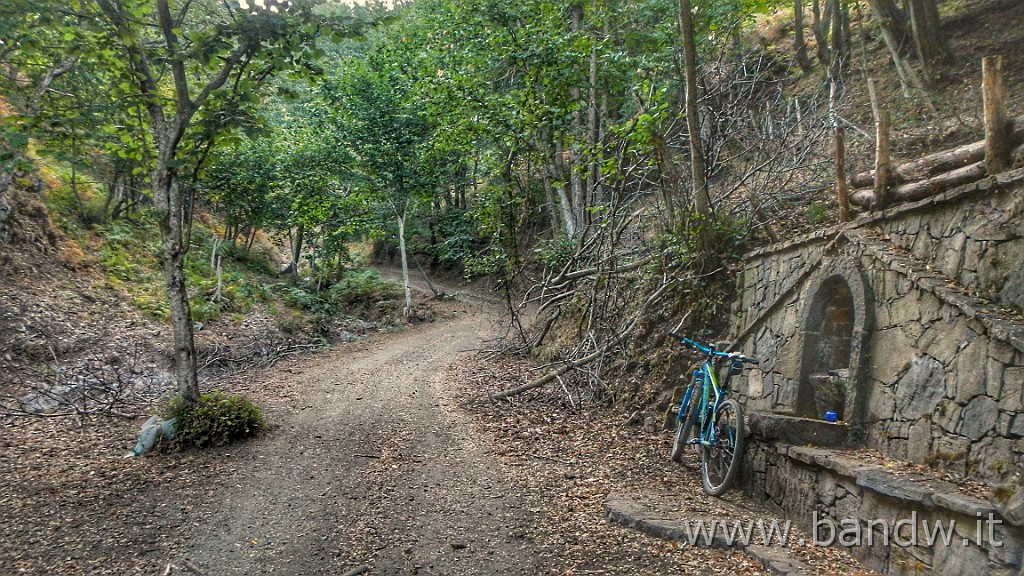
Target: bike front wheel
[
  {"x": 687, "y": 423},
  {"x": 722, "y": 458}
]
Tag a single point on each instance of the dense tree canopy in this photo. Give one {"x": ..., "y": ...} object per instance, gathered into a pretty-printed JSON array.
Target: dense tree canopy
[{"x": 489, "y": 133}]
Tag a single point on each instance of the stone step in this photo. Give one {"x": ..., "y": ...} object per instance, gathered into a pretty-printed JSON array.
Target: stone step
[{"x": 678, "y": 518}]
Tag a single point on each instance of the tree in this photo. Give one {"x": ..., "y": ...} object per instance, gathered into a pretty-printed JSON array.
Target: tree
[
  {"x": 698, "y": 176},
  {"x": 798, "y": 36},
  {"x": 928, "y": 39},
  {"x": 915, "y": 31},
  {"x": 192, "y": 69},
  {"x": 389, "y": 139}
]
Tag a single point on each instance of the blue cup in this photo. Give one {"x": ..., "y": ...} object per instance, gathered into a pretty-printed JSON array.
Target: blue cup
[{"x": 831, "y": 416}]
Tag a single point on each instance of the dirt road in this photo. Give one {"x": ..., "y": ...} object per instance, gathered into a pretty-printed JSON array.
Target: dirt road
[{"x": 369, "y": 464}]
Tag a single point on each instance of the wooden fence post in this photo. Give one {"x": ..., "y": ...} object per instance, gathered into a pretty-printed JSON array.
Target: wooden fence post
[
  {"x": 997, "y": 125},
  {"x": 842, "y": 193},
  {"x": 881, "y": 188}
]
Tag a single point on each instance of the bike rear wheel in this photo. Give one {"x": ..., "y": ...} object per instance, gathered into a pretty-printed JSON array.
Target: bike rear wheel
[
  {"x": 721, "y": 462},
  {"x": 687, "y": 423}
]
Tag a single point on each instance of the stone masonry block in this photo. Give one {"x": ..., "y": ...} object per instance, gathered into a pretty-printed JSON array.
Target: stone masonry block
[
  {"x": 953, "y": 257},
  {"x": 1010, "y": 397},
  {"x": 947, "y": 414},
  {"x": 919, "y": 441},
  {"x": 921, "y": 387},
  {"x": 979, "y": 417},
  {"x": 891, "y": 353},
  {"x": 994, "y": 377},
  {"x": 904, "y": 309},
  {"x": 881, "y": 403},
  {"x": 971, "y": 370},
  {"x": 942, "y": 340}
]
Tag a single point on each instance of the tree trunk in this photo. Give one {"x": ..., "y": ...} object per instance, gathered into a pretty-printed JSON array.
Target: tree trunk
[
  {"x": 892, "y": 20},
  {"x": 669, "y": 177},
  {"x": 931, "y": 47},
  {"x": 701, "y": 198},
  {"x": 998, "y": 126},
  {"x": 798, "y": 36},
  {"x": 897, "y": 37},
  {"x": 558, "y": 169},
  {"x": 593, "y": 169},
  {"x": 819, "y": 26},
  {"x": 168, "y": 203},
  {"x": 297, "y": 249},
  {"x": 576, "y": 174},
  {"x": 407, "y": 310},
  {"x": 840, "y": 45}
]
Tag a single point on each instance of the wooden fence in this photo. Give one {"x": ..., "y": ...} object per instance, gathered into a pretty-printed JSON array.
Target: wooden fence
[{"x": 935, "y": 173}]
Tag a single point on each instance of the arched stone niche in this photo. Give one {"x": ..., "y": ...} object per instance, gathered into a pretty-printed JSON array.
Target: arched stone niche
[{"x": 834, "y": 327}]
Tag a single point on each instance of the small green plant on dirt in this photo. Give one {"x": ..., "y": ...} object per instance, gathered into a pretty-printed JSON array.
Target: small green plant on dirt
[
  {"x": 817, "y": 213},
  {"x": 214, "y": 420}
]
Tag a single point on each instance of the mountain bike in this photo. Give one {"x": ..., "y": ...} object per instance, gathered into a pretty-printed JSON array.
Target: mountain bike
[{"x": 711, "y": 422}]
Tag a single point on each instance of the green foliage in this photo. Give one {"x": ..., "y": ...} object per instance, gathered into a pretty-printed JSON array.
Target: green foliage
[
  {"x": 129, "y": 259},
  {"x": 555, "y": 253},
  {"x": 303, "y": 298},
  {"x": 732, "y": 234},
  {"x": 461, "y": 240},
  {"x": 354, "y": 288},
  {"x": 214, "y": 420},
  {"x": 817, "y": 213},
  {"x": 362, "y": 286}
]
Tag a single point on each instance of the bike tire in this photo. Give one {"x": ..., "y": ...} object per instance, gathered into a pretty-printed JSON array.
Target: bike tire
[
  {"x": 688, "y": 422},
  {"x": 721, "y": 462}
]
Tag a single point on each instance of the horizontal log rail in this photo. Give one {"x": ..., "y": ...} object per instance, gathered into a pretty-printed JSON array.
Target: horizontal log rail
[{"x": 935, "y": 173}]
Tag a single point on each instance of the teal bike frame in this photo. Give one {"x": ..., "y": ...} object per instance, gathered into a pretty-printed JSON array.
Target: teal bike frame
[{"x": 718, "y": 420}]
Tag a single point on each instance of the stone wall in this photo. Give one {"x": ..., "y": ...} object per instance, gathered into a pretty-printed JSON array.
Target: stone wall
[
  {"x": 896, "y": 523},
  {"x": 906, "y": 322}
]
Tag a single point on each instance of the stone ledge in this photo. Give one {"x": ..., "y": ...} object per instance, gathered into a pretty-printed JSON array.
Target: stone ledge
[
  {"x": 966, "y": 505},
  {"x": 665, "y": 516},
  {"x": 796, "y": 430},
  {"x": 778, "y": 561},
  {"x": 911, "y": 488},
  {"x": 914, "y": 488},
  {"x": 837, "y": 462}
]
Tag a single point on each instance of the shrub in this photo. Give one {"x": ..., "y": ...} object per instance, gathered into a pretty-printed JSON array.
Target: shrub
[
  {"x": 215, "y": 420},
  {"x": 362, "y": 286}
]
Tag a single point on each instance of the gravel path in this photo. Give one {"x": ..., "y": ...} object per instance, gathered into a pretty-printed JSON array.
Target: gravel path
[{"x": 369, "y": 456}]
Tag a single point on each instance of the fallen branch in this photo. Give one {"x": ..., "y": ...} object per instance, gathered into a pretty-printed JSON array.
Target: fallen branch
[
  {"x": 231, "y": 363},
  {"x": 437, "y": 295},
  {"x": 573, "y": 364}
]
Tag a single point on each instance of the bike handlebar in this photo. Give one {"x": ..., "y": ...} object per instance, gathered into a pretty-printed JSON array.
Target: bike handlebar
[{"x": 710, "y": 351}]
